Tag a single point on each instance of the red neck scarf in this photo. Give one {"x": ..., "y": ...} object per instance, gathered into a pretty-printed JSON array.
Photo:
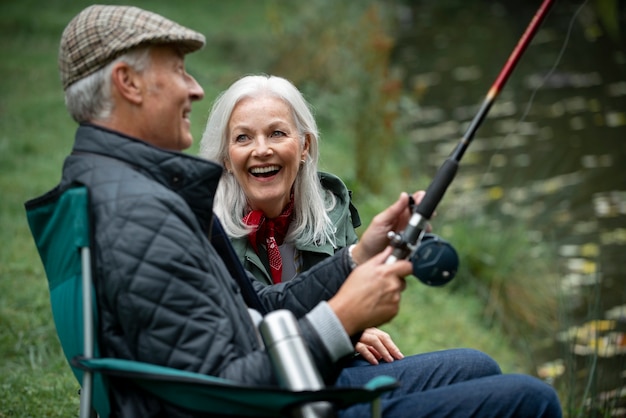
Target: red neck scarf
[{"x": 270, "y": 232}]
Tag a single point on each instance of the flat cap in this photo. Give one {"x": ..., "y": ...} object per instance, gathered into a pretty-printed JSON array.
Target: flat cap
[{"x": 99, "y": 34}]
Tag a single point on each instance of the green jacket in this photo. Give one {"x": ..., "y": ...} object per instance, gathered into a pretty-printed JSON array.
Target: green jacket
[{"x": 344, "y": 216}]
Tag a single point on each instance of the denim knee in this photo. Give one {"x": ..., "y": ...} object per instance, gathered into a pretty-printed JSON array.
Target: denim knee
[{"x": 475, "y": 362}]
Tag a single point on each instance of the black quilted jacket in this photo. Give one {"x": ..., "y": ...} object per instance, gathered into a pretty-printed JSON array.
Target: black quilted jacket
[{"x": 164, "y": 294}]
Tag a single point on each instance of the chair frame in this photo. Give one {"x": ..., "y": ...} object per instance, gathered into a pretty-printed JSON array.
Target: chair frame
[{"x": 88, "y": 333}]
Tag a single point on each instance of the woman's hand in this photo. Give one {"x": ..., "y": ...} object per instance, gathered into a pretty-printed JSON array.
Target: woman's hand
[{"x": 376, "y": 345}]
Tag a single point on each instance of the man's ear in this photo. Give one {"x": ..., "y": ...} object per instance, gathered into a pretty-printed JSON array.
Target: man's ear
[{"x": 127, "y": 82}]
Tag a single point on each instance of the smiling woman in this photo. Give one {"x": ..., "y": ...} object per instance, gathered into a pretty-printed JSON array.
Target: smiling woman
[
  {"x": 282, "y": 215},
  {"x": 263, "y": 131}
]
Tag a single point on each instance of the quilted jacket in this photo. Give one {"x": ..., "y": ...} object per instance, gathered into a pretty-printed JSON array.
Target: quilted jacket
[
  {"x": 164, "y": 294},
  {"x": 345, "y": 219}
]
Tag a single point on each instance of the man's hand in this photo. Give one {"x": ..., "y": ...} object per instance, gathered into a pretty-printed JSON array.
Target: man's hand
[
  {"x": 370, "y": 296},
  {"x": 394, "y": 218}
]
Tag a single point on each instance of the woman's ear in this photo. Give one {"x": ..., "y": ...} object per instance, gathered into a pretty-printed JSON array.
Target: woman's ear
[
  {"x": 227, "y": 166},
  {"x": 127, "y": 82},
  {"x": 305, "y": 147}
]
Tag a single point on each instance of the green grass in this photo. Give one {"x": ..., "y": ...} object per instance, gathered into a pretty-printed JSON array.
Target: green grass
[
  {"x": 36, "y": 134},
  {"x": 432, "y": 319}
]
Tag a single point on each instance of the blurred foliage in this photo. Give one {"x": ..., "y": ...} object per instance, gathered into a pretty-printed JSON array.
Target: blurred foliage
[
  {"x": 610, "y": 15},
  {"x": 341, "y": 50},
  {"x": 514, "y": 276}
]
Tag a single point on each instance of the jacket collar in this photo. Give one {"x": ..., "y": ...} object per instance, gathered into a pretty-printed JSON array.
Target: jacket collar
[{"x": 193, "y": 178}]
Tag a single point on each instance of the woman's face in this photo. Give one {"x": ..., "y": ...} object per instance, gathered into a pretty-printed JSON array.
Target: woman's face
[{"x": 265, "y": 151}]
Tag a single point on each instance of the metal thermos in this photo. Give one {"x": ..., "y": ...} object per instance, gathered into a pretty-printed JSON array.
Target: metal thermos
[{"x": 292, "y": 361}]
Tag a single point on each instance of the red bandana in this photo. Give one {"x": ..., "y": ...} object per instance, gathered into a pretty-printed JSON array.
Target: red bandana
[{"x": 271, "y": 232}]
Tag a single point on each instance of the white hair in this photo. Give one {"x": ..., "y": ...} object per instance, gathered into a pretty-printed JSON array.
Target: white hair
[
  {"x": 311, "y": 223},
  {"x": 89, "y": 98}
]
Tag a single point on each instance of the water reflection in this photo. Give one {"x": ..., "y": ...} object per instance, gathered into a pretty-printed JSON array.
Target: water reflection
[{"x": 558, "y": 163}]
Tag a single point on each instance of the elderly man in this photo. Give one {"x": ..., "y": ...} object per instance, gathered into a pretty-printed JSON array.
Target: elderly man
[{"x": 169, "y": 288}]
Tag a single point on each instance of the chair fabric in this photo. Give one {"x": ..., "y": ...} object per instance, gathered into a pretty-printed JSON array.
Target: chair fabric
[{"x": 60, "y": 225}]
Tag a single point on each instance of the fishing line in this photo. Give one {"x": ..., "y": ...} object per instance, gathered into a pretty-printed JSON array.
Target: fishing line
[
  {"x": 535, "y": 90},
  {"x": 516, "y": 129}
]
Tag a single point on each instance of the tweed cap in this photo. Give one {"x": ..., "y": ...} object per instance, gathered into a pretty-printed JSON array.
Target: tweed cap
[{"x": 99, "y": 34}]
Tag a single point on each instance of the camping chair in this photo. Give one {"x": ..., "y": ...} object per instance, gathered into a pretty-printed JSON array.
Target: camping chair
[{"x": 59, "y": 222}]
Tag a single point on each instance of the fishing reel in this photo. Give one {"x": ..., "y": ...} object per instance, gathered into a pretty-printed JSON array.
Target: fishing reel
[{"x": 435, "y": 261}]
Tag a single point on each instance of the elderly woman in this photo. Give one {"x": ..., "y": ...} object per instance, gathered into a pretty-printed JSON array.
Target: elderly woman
[{"x": 283, "y": 216}]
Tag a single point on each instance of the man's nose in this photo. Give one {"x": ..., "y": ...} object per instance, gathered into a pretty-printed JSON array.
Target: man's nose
[{"x": 196, "y": 92}]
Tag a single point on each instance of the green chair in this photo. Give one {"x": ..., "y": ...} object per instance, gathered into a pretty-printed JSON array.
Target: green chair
[{"x": 59, "y": 222}]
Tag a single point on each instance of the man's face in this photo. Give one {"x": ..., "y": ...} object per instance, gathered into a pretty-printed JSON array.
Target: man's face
[{"x": 167, "y": 97}]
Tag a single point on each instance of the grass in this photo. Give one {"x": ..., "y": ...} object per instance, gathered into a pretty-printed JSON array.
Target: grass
[{"x": 36, "y": 134}]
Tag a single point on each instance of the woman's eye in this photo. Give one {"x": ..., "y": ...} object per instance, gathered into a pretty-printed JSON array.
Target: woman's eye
[
  {"x": 278, "y": 133},
  {"x": 240, "y": 138}
]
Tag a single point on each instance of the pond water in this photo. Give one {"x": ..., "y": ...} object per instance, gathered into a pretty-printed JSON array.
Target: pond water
[{"x": 551, "y": 152}]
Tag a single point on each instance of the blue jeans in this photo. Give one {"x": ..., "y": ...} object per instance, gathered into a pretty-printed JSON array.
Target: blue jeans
[{"x": 452, "y": 383}]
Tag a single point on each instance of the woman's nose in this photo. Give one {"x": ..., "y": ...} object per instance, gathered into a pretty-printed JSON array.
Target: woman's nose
[{"x": 262, "y": 148}]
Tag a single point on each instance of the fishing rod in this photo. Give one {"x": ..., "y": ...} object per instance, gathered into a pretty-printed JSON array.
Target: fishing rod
[{"x": 435, "y": 261}]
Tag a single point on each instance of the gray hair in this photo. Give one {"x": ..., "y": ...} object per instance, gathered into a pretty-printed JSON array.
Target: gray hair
[
  {"x": 89, "y": 98},
  {"x": 311, "y": 224}
]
